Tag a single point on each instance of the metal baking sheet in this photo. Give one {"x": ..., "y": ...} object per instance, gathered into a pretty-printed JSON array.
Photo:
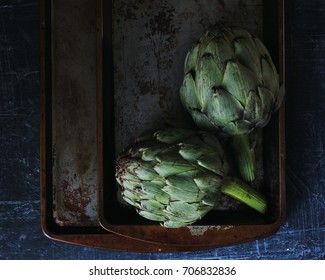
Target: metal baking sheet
[
  {"x": 69, "y": 130},
  {"x": 143, "y": 49},
  {"x": 78, "y": 149},
  {"x": 74, "y": 127}
]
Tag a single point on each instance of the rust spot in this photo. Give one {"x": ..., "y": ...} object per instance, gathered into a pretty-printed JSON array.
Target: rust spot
[{"x": 76, "y": 199}]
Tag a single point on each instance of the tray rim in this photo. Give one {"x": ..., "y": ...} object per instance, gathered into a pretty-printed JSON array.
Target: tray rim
[
  {"x": 95, "y": 237},
  {"x": 251, "y": 232}
]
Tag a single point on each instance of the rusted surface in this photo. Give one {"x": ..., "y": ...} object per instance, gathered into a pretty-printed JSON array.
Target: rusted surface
[{"x": 74, "y": 126}]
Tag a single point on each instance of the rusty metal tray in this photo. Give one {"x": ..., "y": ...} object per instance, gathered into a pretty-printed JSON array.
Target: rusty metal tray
[
  {"x": 68, "y": 132},
  {"x": 140, "y": 60}
]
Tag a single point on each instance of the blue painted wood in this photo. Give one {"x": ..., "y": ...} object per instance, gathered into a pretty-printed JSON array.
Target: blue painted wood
[{"x": 301, "y": 237}]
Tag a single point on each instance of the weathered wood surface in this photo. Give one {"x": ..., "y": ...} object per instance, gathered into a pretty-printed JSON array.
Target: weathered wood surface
[{"x": 301, "y": 237}]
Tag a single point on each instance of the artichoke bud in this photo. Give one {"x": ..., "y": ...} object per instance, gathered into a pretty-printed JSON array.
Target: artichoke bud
[
  {"x": 236, "y": 63},
  {"x": 182, "y": 182},
  {"x": 178, "y": 183},
  {"x": 237, "y": 86}
]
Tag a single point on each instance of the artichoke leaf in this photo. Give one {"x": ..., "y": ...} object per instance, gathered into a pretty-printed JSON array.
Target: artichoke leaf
[
  {"x": 185, "y": 211},
  {"x": 146, "y": 173},
  {"x": 188, "y": 219},
  {"x": 175, "y": 224},
  {"x": 151, "y": 205},
  {"x": 182, "y": 208},
  {"x": 171, "y": 164},
  {"x": 151, "y": 216},
  {"x": 203, "y": 120},
  {"x": 172, "y": 135},
  {"x": 210, "y": 199},
  {"x": 208, "y": 181},
  {"x": 124, "y": 175},
  {"x": 153, "y": 190},
  {"x": 149, "y": 153},
  {"x": 263, "y": 51},
  {"x": 270, "y": 76},
  {"x": 183, "y": 194},
  {"x": 239, "y": 81},
  {"x": 223, "y": 108},
  {"x": 191, "y": 59},
  {"x": 183, "y": 182},
  {"x": 246, "y": 50},
  {"x": 131, "y": 201},
  {"x": 129, "y": 184},
  {"x": 168, "y": 169},
  {"x": 222, "y": 51},
  {"x": 267, "y": 101},
  {"x": 189, "y": 93},
  {"x": 254, "y": 109},
  {"x": 212, "y": 162},
  {"x": 173, "y": 158},
  {"x": 212, "y": 141},
  {"x": 207, "y": 76},
  {"x": 263, "y": 122},
  {"x": 131, "y": 195},
  {"x": 191, "y": 152}
]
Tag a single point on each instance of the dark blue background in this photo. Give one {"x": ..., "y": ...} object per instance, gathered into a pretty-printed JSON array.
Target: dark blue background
[{"x": 301, "y": 237}]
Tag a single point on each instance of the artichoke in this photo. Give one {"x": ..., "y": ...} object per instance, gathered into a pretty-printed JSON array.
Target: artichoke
[
  {"x": 175, "y": 176},
  {"x": 231, "y": 86}
]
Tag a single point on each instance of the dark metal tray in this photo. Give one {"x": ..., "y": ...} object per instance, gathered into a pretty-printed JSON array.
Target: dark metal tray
[
  {"x": 68, "y": 139},
  {"x": 140, "y": 60},
  {"x": 81, "y": 107}
]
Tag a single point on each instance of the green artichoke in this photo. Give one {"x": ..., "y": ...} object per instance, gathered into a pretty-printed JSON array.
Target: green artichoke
[
  {"x": 175, "y": 176},
  {"x": 231, "y": 85}
]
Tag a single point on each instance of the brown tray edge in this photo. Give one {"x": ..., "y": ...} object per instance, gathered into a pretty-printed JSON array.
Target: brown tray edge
[{"x": 115, "y": 242}]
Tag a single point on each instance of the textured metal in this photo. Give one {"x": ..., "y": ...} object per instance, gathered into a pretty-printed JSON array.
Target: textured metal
[
  {"x": 74, "y": 127},
  {"x": 150, "y": 41}
]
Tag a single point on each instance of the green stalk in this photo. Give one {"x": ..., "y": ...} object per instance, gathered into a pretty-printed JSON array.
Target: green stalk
[
  {"x": 236, "y": 189},
  {"x": 244, "y": 149}
]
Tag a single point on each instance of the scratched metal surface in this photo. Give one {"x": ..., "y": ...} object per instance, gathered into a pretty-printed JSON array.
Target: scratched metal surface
[
  {"x": 74, "y": 128},
  {"x": 301, "y": 237},
  {"x": 150, "y": 41}
]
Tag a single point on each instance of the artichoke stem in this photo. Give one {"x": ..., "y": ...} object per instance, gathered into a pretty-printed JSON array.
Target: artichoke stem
[
  {"x": 234, "y": 188},
  {"x": 245, "y": 156}
]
